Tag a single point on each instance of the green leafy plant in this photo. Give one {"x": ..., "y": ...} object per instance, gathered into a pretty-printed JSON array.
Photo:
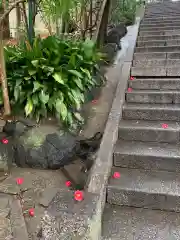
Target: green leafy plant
[
  {"x": 124, "y": 11},
  {"x": 53, "y": 76}
]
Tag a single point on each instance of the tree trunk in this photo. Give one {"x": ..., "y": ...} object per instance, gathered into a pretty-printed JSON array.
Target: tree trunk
[
  {"x": 18, "y": 21},
  {"x": 5, "y": 25},
  {"x": 7, "y": 109}
]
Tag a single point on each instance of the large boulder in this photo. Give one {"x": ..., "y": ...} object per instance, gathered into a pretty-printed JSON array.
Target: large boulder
[
  {"x": 46, "y": 147},
  {"x": 110, "y": 50},
  {"x": 115, "y": 34}
]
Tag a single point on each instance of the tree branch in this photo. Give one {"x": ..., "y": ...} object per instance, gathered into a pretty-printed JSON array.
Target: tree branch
[{"x": 10, "y": 9}]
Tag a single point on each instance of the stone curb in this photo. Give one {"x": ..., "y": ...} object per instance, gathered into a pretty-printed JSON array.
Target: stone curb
[{"x": 82, "y": 221}]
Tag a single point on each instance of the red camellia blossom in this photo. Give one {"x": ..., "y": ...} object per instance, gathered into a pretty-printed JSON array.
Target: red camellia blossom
[
  {"x": 19, "y": 181},
  {"x": 5, "y": 141},
  {"x": 78, "y": 196},
  {"x": 129, "y": 89},
  {"x": 131, "y": 78},
  {"x": 94, "y": 101},
  {"x": 116, "y": 175},
  {"x": 164, "y": 125},
  {"x": 68, "y": 183},
  {"x": 31, "y": 212}
]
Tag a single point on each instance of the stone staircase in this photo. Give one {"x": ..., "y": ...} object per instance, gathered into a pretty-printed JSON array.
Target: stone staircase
[{"x": 144, "y": 202}]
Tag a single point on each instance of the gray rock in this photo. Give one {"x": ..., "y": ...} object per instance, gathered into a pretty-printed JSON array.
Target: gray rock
[
  {"x": 115, "y": 34},
  {"x": 46, "y": 147},
  {"x": 110, "y": 50}
]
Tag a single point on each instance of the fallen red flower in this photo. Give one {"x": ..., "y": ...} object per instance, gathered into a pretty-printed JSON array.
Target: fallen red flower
[
  {"x": 129, "y": 89},
  {"x": 131, "y": 78},
  {"x": 5, "y": 141},
  {"x": 19, "y": 181},
  {"x": 116, "y": 175},
  {"x": 31, "y": 212},
  {"x": 164, "y": 125},
  {"x": 78, "y": 195},
  {"x": 94, "y": 101},
  {"x": 68, "y": 183}
]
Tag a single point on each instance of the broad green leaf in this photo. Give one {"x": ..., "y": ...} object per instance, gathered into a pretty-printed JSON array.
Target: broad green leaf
[
  {"x": 31, "y": 72},
  {"x": 27, "y": 78},
  {"x": 44, "y": 97},
  {"x": 16, "y": 93},
  {"x": 58, "y": 105},
  {"x": 35, "y": 99},
  {"x": 58, "y": 77},
  {"x": 18, "y": 82},
  {"x": 78, "y": 83},
  {"x": 35, "y": 63},
  {"x": 29, "y": 107},
  {"x": 86, "y": 72},
  {"x": 76, "y": 73},
  {"x": 78, "y": 117},
  {"x": 62, "y": 110},
  {"x": 37, "y": 86},
  {"x": 69, "y": 119}
]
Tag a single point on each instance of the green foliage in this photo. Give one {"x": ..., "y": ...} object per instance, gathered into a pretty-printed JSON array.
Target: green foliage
[
  {"x": 53, "y": 77},
  {"x": 124, "y": 11}
]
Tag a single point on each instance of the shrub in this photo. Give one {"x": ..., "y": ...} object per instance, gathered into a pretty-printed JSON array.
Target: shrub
[
  {"x": 124, "y": 11},
  {"x": 53, "y": 77}
]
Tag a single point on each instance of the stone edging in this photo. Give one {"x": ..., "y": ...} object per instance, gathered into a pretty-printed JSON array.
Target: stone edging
[{"x": 82, "y": 221}]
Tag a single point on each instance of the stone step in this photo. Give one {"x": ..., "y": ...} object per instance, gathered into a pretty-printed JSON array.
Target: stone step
[
  {"x": 149, "y": 131},
  {"x": 148, "y": 71},
  {"x": 151, "y": 43},
  {"x": 127, "y": 223},
  {"x": 155, "y": 84},
  {"x": 161, "y": 24},
  {"x": 150, "y": 55},
  {"x": 150, "y": 63},
  {"x": 153, "y": 96},
  {"x": 160, "y": 71},
  {"x": 156, "y": 62},
  {"x": 156, "y": 49},
  {"x": 157, "y": 37},
  {"x": 159, "y": 33},
  {"x": 147, "y": 155},
  {"x": 160, "y": 19},
  {"x": 166, "y": 112},
  {"x": 158, "y": 43},
  {"x": 159, "y": 28},
  {"x": 145, "y": 188}
]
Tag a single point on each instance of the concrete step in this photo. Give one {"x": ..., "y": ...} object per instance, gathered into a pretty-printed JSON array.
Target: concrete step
[
  {"x": 152, "y": 96},
  {"x": 157, "y": 37},
  {"x": 145, "y": 188},
  {"x": 150, "y": 55},
  {"x": 159, "y": 28},
  {"x": 127, "y": 223},
  {"x": 158, "y": 43},
  {"x": 160, "y": 71},
  {"x": 155, "y": 84},
  {"x": 158, "y": 49},
  {"x": 147, "y": 155},
  {"x": 151, "y": 43},
  {"x": 162, "y": 24},
  {"x": 159, "y": 33},
  {"x": 149, "y": 131},
  {"x": 168, "y": 63},
  {"x": 148, "y": 71},
  {"x": 150, "y": 63},
  {"x": 160, "y": 19},
  {"x": 166, "y": 112}
]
